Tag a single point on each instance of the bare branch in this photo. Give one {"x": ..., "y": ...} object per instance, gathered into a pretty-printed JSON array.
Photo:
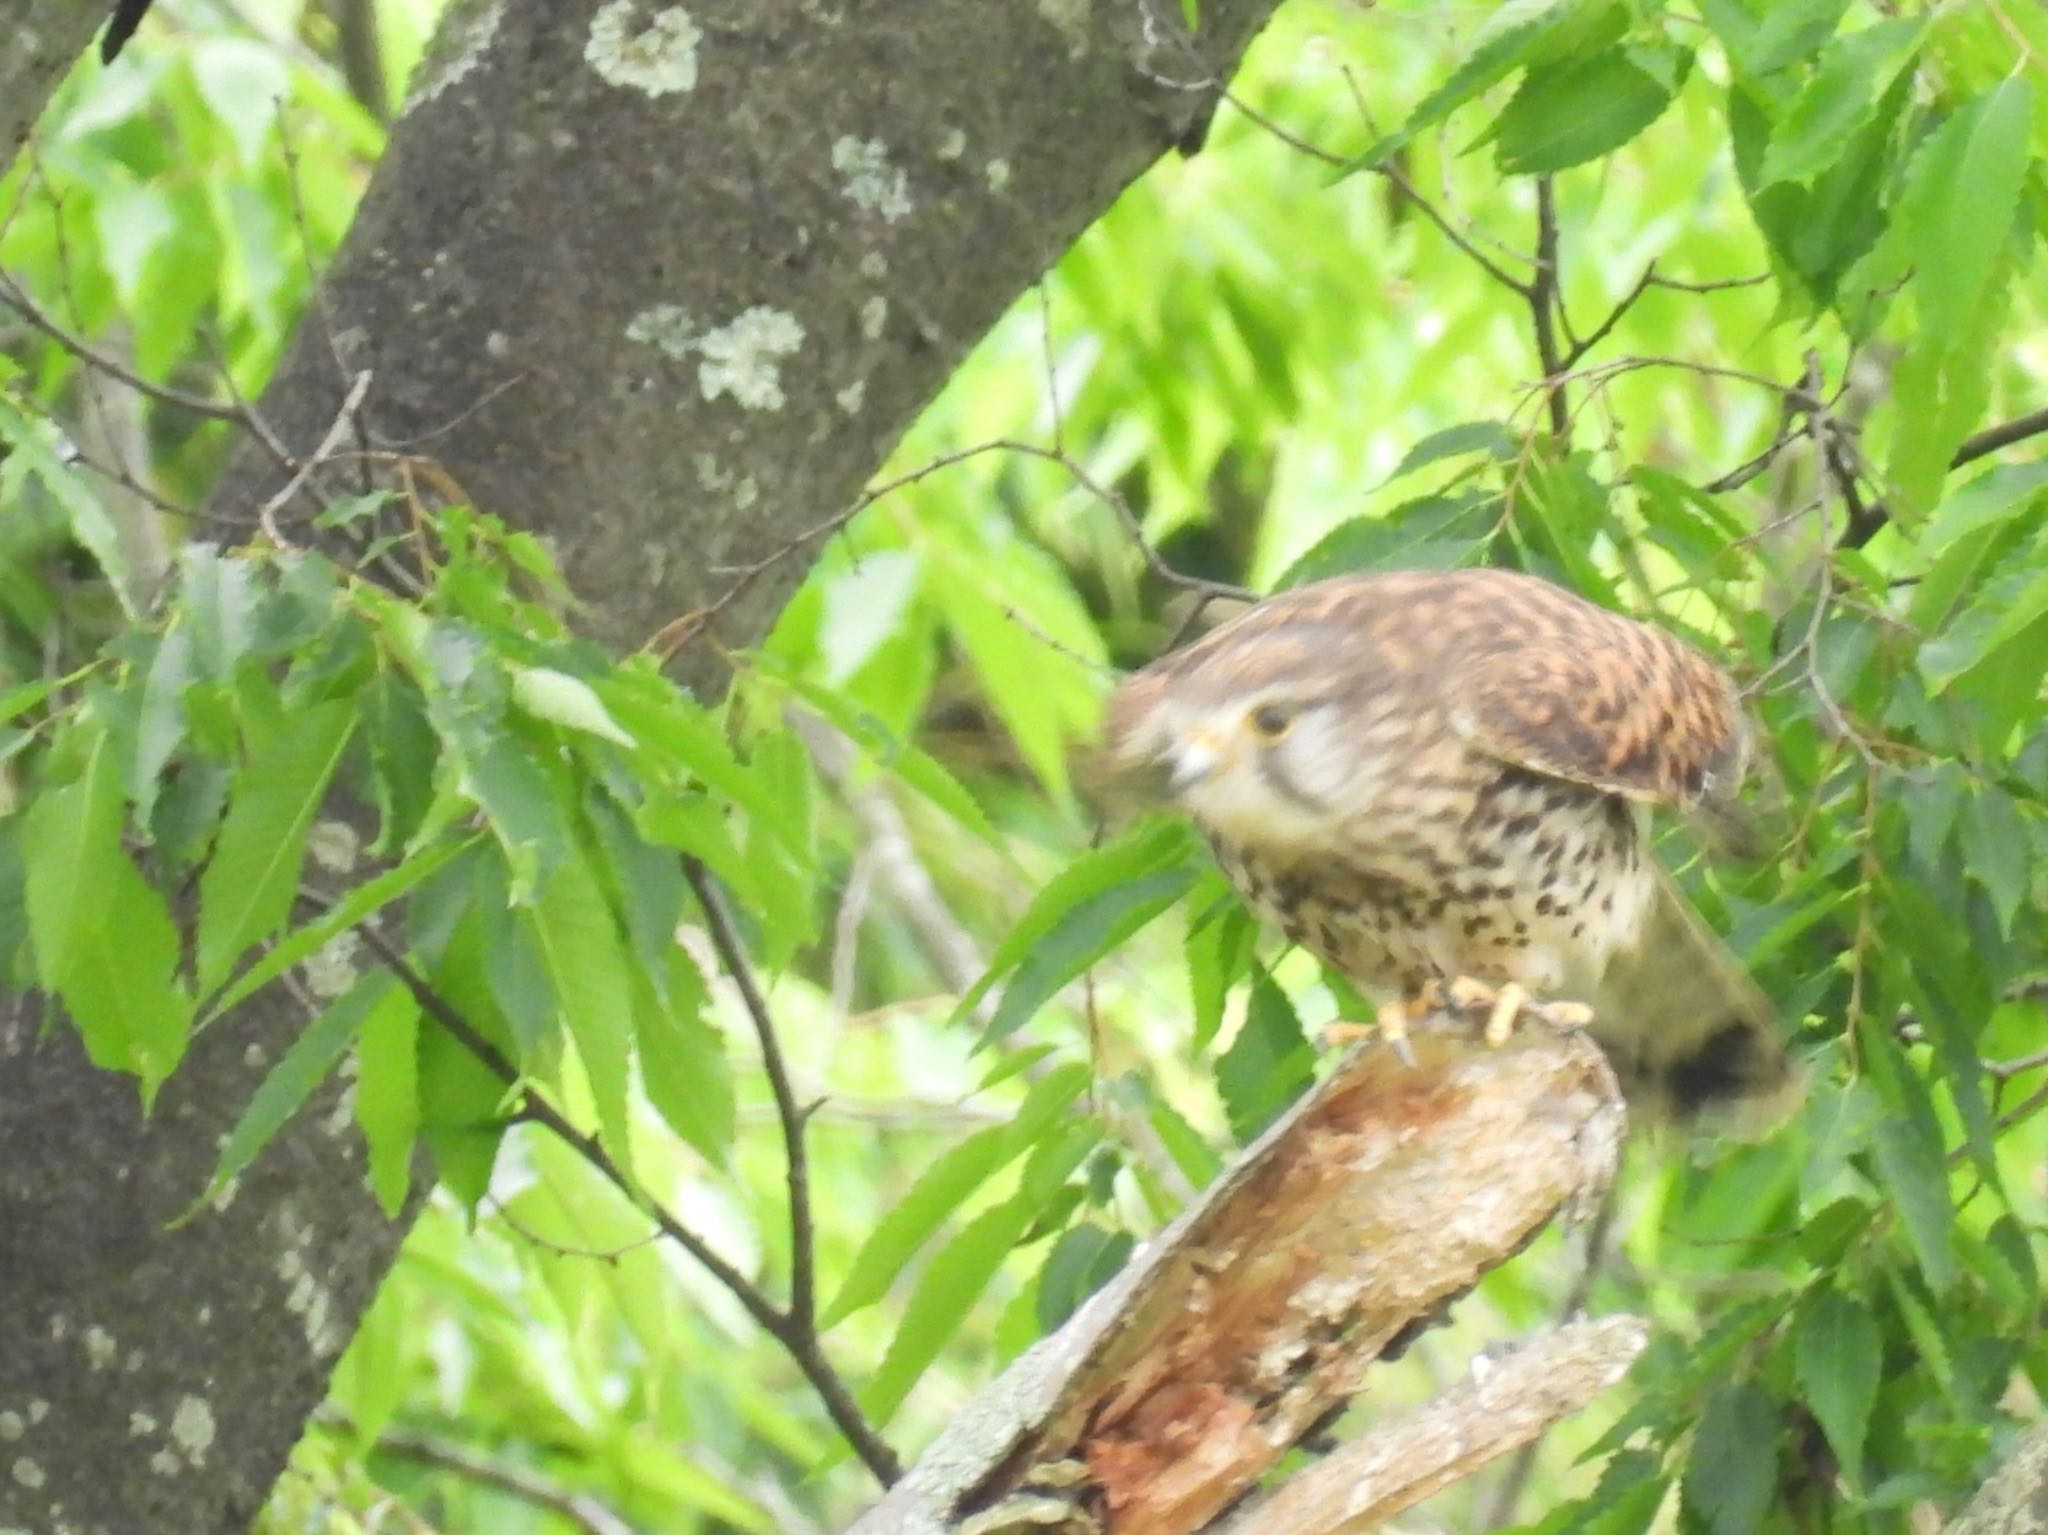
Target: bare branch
[
  {"x": 266, "y": 514},
  {"x": 522, "y": 1482},
  {"x": 16, "y": 298},
  {"x": 2004, "y": 435},
  {"x": 1505, "y": 1401},
  {"x": 732, "y": 955},
  {"x": 1544, "y": 297}
]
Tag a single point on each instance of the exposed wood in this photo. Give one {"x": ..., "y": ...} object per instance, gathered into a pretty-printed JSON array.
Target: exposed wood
[
  {"x": 1506, "y": 1401},
  {"x": 1343, "y": 1231}
]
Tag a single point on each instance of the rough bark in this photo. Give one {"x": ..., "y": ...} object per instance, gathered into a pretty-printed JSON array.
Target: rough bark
[
  {"x": 1349, "y": 1227},
  {"x": 2015, "y": 1500},
  {"x": 43, "y": 40},
  {"x": 550, "y": 279}
]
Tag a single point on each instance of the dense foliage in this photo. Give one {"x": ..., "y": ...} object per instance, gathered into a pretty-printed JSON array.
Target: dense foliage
[{"x": 1701, "y": 308}]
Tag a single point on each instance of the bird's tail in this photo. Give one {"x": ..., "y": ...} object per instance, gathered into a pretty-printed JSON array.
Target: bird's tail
[{"x": 1691, "y": 1036}]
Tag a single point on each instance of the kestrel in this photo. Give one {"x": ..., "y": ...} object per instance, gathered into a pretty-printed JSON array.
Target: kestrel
[{"x": 1432, "y": 779}]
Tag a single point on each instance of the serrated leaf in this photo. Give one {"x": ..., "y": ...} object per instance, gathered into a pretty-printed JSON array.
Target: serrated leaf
[
  {"x": 1839, "y": 1353},
  {"x": 1493, "y": 438},
  {"x": 250, "y": 882},
  {"x": 586, "y": 963},
  {"x": 1853, "y": 74},
  {"x": 1733, "y": 1468},
  {"x": 1268, "y": 1064},
  {"x": 287, "y": 1085},
  {"x": 519, "y": 805},
  {"x": 1581, "y": 108},
  {"x": 944, "y": 1186},
  {"x": 563, "y": 700},
  {"x": 71, "y": 844},
  {"x": 217, "y": 594},
  {"x": 960, "y": 1271},
  {"x": 387, "y": 1094},
  {"x": 1958, "y": 209},
  {"x": 1998, "y": 852},
  {"x": 1082, "y": 1261},
  {"x": 1219, "y": 951},
  {"x": 1492, "y": 59},
  {"x": 682, "y": 1061},
  {"x": 1911, "y": 1159},
  {"x": 160, "y": 724},
  {"x": 1081, "y": 935},
  {"x": 1989, "y": 499},
  {"x": 87, "y": 519},
  {"x": 2006, "y": 603},
  {"x": 361, "y": 902},
  {"x": 1138, "y": 854},
  {"x": 1433, "y": 533}
]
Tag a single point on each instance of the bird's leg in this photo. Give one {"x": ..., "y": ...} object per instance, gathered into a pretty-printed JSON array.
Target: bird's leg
[
  {"x": 1391, "y": 1020},
  {"x": 1505, "y": 1003}
]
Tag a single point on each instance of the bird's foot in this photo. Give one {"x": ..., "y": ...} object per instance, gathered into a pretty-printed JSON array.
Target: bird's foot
[
  {"x": 1506, "y": 1003},
  {"x": 1390, "y": 1023}
]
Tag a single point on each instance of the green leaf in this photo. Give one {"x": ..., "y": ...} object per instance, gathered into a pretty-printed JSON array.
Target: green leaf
[
  {"x": 1145, "y": 850},
  {"x": 962, "y": 1269},
  {"x": 563, "y": 700},
  {"x": 387, "y": 1094},
  {"x": 1493, "y": 438},
  {"x": 1492, "y": 60},
  {"x": 249, "y": 884},
  {"x": 160, "y": 726},
  {"x": 944, "y": 1186},
  {"x": 1986, "y": 501},
  {"x": 1433, "y": 533},
  {"x": 1854, "y": 73},
  {"x": 1083, "y": 933},
  {"x": 1958, "y": 209},
  {"x": 72, "y": 843},
  {"x": 1581, "y": 108},
  {"x": 1219, "y": 952},
  {"x": 1733, "y": 1469},
  {"x": 87, "y": 519},
  {"x": 286, "y": 1087},
  {"x": 682, "y": 1059},
  {"x": 586, "y": 963},
  {"x": 1084, "y": 1259},
  {"x": 2006, "y": 604},
  {"x": 217, "y": 595},
  {"x": 1839, "y": 1354},
  {"x": 1911, "y": 1159},
  {"x": 519, "y": 804},
  {"x": 1268, "y": 1065},
  {"x": 361, "y": 902}
]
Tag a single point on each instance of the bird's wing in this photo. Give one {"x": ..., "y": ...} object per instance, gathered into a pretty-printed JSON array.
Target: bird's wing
[{"x": 1583, "y": 694}]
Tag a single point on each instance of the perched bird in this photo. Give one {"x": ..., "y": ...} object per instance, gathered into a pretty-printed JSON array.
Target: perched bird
[{"x": 1432, "y": 781}]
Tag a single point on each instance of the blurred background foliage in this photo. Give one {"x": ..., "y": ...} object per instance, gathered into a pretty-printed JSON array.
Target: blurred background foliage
[{"x": 1786, "y": 253}]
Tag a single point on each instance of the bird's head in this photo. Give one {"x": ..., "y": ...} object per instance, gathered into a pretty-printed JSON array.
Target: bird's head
[{"x": 1264, "y": 764}]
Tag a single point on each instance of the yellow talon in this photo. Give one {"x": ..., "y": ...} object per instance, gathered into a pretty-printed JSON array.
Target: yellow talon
[
  {"x": 1500, "y": 1022},
  {"x": 1393, "y": 1029}
]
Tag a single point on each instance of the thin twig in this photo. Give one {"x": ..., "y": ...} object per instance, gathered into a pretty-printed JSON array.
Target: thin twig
[
  {"x": 1992, "y": 438},
  {"x": 17, "y": 299},
  {"x": 266, "y": 514},
  {"x": 1601, "y": 331},
  {"x": 798, "y": 1340},
  {"x": 1544, "y": 298},
  {"x": 529, "y": 1486},
  {"x": 732, "y": 955}
]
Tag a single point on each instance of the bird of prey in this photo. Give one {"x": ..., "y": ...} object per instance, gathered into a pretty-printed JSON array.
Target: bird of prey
[{"x": 1432, "y": 780}]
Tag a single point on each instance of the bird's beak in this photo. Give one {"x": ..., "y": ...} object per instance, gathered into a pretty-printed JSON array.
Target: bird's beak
[{"x": 1192, "y": 762}]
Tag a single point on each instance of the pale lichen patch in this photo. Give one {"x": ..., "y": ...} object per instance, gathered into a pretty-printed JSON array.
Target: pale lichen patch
[
  {"x": 192, "y": 1428},
  {"x": 874, "y": 266},
  {"x": 100, "y": 1347},
  {"x": 334, "y": 846},
  {"x": 12, "y": 1425},
  {"x": 665, "y": 326},
  {"x": 853, "y": 396},
  {"x": 743, "y": 359},
  {"x": 29, "y": 1474},
  {"x": 657, "y": 56},
  {"x": 458, "y": 46},
  {"x": 998, "y": 173},
  {"x": 165, "y": 1462},
  {"x": 874, "y": 314},
  {"x": 37, "y": 1411},
  {"x": 141, "y": 1424},
  {"x": 334, "y": 967},
  {"x": 867, "y": 178}
]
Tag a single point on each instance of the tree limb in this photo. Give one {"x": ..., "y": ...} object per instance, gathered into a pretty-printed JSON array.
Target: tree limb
[
  {"x": 1505, "y": 1401},
  {"x": 2015, "y": 1500},
  {"x": 1347, "y": 1228}
]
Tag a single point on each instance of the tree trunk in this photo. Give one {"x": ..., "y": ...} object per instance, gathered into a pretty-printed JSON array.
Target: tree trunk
[
  {"x": 39, "y": 42},
  {"x": 2015, "y": 1500},
  {"x": 664, "y": 285}
]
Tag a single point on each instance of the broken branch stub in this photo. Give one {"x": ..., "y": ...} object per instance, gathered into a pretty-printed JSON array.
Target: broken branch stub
[{"x": 1348, "y": 1227}]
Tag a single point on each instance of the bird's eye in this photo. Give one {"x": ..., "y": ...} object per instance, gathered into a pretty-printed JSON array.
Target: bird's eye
[{"x": 1271, "y": 721}]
